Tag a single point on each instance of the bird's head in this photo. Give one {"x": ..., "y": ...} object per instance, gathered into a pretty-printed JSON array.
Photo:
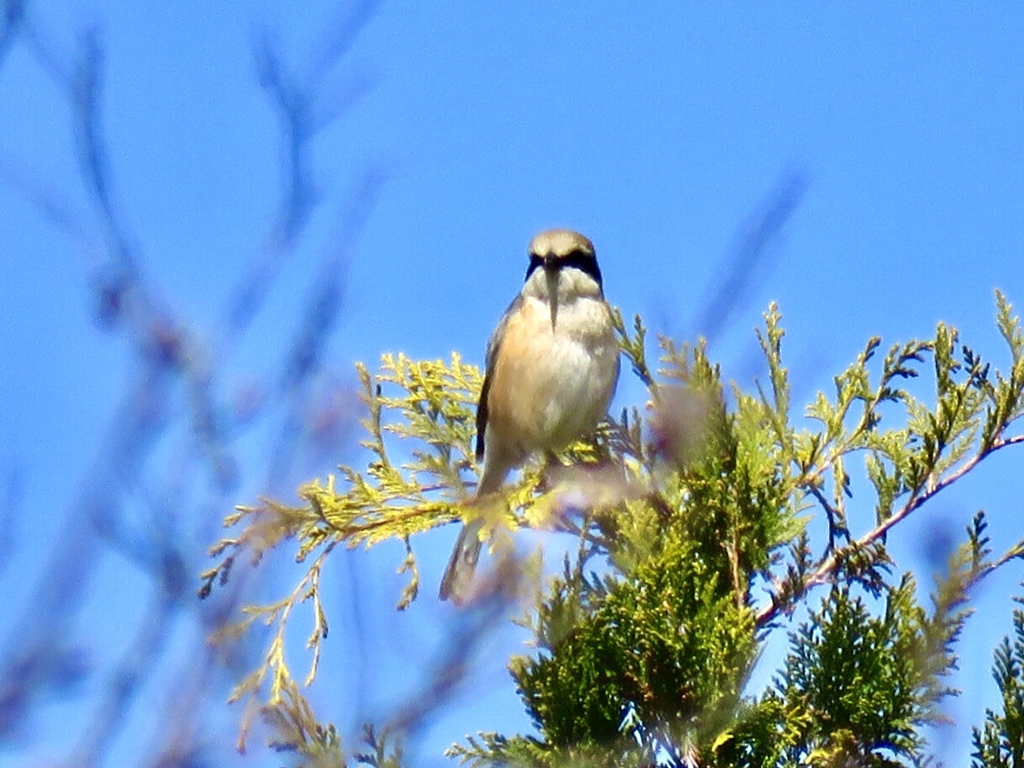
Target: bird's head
[{"x": 563, "y": 267}]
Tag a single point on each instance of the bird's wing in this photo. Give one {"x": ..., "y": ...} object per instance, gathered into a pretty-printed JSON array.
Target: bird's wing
[{"x": 492, "y": 357}]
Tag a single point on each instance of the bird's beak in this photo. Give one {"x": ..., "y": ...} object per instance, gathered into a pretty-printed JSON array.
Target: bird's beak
[{"x": 551, "y": 273}]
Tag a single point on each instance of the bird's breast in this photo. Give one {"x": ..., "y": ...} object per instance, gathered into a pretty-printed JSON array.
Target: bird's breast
[{"x": 551, "y": 385}]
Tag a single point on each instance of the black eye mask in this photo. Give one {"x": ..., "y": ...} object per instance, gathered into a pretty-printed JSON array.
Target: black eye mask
[{"x": 577, "y": 259}]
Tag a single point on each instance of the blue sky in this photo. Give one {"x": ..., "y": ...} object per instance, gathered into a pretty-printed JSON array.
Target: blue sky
[{"x": 660, "y": 132}]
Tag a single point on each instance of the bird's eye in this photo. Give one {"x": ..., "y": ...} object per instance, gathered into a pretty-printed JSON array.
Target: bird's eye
[
  {"x": 576, "y": 258},
  {"x": 584, "y": 261},
  {"x": 536, "y": 262}
]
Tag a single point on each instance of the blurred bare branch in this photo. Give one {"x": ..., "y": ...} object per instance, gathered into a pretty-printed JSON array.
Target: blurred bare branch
[
  {"x": 11, "y": 490},
  {"x": 747, "y": 260},
  {"x": 489, "y": 610},
  {"x": 300, "y": 106},
  {"x": 318, "y": 316},
  {"x": 153, "y": 512},
  {"x": 12, "y": 12}
]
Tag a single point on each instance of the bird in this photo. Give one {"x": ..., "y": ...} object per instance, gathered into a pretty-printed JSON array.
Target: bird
[{"x": 552, "y": 365}]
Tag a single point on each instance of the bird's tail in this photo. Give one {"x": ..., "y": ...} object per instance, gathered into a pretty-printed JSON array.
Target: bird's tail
[{"x": 462, "y": 563}]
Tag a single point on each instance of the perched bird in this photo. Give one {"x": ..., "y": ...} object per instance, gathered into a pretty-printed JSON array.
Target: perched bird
[{"x": 552, "y": 367}]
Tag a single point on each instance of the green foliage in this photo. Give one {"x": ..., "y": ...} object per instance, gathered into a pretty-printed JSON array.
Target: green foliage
[
  {"x": 858, "y": 684},
  {"x": 665, "y": 647},
  {"x": 1000, "y": 742},
  {"x": 856, "y": 678},
  {"x": 691, "y": 516}
]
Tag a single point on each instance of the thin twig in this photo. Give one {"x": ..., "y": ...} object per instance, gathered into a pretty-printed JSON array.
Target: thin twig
[{"x": 831, "y": 562}]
